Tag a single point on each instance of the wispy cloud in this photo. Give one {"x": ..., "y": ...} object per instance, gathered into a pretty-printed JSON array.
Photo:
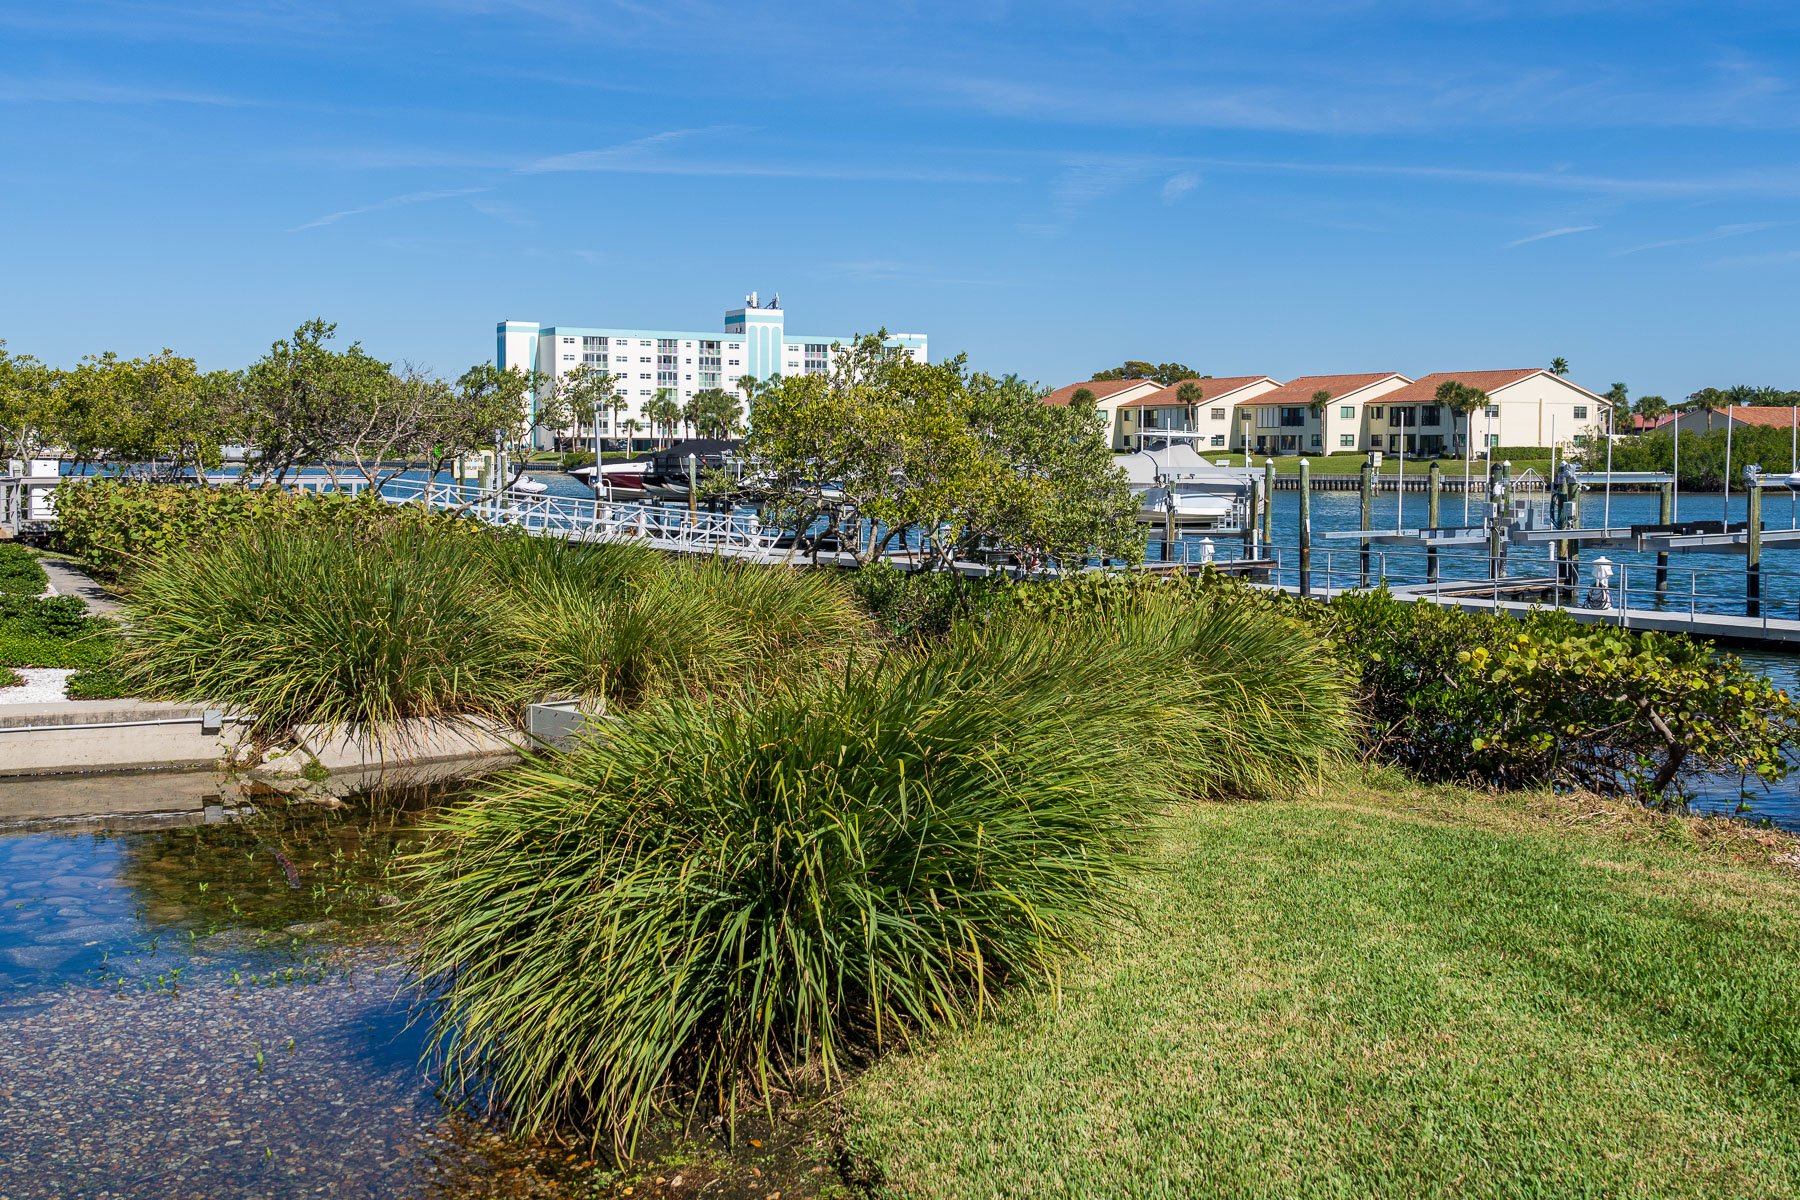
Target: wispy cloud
[
  {"x": 85, "y": 91},
  {"x": 1546, "y": 235},
  {"x": 1178, "y": 186},
  {"x": 651, "y": 156},
  {"x": 400, "y": 201},
  {"x": 1716, "y": 234},
  {"x": 1080, "y": 185}
]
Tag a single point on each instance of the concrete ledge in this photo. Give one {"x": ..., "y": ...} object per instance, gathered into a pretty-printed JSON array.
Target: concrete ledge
[
  {"x": 114, "y": 735},
  {"x": 410, "y": 743}
]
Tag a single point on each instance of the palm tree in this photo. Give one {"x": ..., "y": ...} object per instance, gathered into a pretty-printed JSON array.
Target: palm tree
[
  {"x": 1464, "y": 401},
  {"x": 1559, "y": 365},
  {"x": 1709, "y": 401},
  {"x": 630, "y": 429},
  {"x": 1189, "y": 393},
  {"x": 1316, "y": 406},
  {"x": 663, "y": 412}
]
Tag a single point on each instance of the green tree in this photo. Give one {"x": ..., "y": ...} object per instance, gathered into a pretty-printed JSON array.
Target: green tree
[
  {"x": 1651, "y": 406},
  {"x": 590, "y": 393},
  {"x": 27, "y": 405},
  {"x": 1559, "y": 366},
  {"x": 1167, "y": 374},
  {"x": 1709, "y": 401},
  {"x": 157, "y": 416},
  {"x": 882, "y": 445},
  {"x": 294, "y": 400},
  {"x": 714, "y": 412}
]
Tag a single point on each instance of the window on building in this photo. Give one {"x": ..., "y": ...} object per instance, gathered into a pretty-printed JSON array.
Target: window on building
[
  {"x": 1318, "y": 440},
  {"x": 1244, "y": 415},
  {"x": 1218, "y": 413},
  {"x": 1493, "y": 439},
  {"x": 1581, "y": 412},
  {"x": 1218, "y": 439},
  {"x": 568, "y": 341},
  {"x": 1493, "y": 410},
  {"x": 1375, "y": 441},
  {"x": 593, "y": 343},
  {"x": 735, "y": 363},
  {"x": 1347, "y": 441},
  {"x": 1429, "y": 415},
  {"x": 1347, "y": 411},
  {"x": 568, "y": 358},
  {"x": 645, "y": 342},
  {"x": 1374, "y": 412}
]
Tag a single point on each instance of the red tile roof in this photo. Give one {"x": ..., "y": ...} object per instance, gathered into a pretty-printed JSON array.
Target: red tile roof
[
  {"x": 1102, "y": 388},
  {"x": 1767, "y": 416},
  {"x": 1642, "y": 424},
  {"x": 1210, "y": 389},
  {"x": 1424, "y": 389},
  {"x": 1300, "y": 391}
]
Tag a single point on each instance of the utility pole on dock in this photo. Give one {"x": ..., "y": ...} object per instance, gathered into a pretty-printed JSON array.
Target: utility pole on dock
[
  {"x": 1305, "y": 527},
  {"x": 1753, "y": 541},
  {"x": 1368, "y": 511}
]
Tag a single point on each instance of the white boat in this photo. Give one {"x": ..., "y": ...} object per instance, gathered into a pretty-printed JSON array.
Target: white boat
[
  {"x": 528, "y": 486},
  {"x": 615, "y": 480},
  {"x": 1172, "y": 479}
]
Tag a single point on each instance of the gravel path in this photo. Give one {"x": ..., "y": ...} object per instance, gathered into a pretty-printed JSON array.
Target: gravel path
[{"x": 42, "y": 685}]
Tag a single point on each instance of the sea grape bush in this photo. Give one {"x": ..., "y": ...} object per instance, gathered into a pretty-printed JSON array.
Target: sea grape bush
[
  {"x": 1485, "y": 698},
  {"x": 116, "y": 525}
]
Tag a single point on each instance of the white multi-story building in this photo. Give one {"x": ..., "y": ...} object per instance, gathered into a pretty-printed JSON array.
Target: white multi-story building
[{"x": 754, "y": 342}]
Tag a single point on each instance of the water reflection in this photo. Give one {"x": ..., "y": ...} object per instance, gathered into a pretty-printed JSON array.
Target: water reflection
[{"x": 220, "y": 1010}]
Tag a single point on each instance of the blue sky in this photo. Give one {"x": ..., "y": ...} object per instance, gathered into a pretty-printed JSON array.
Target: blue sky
[{"x": 1284, "y": 187}]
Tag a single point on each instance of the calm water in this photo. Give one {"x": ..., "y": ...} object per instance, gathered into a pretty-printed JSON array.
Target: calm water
[{"x": 220, "y": 1010}]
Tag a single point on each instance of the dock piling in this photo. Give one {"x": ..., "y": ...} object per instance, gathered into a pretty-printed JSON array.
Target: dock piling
[
  {"x": 1433, "y": 488},
  {"x": 1268, "y": 514},
  {"x": 1665, "y": 514}
]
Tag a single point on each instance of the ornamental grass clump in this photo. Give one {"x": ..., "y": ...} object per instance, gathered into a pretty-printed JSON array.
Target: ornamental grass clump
[
  {"x": 729, "y": 894},
  {"x": 345, "y": 628},
  {"x": 625, "y": 624}
]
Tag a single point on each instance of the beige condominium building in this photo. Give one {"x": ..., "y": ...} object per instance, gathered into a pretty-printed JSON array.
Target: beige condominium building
[{"x": 1378, "y": 410}]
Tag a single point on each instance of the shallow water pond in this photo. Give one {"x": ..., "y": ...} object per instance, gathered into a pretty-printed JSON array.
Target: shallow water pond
[{"x": 218, "y": 1009}]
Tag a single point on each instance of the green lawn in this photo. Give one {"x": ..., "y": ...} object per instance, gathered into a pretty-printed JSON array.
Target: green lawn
[{"x": 1390, "y": 991}]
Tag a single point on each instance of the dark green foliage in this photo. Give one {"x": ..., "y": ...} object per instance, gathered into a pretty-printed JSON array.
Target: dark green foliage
[
  {"x": 925, "y": 604},
  {"x": 20, "y": 574},
  {"x": 53, "y": 631},
  {"x": 740, "y": 892},
  {"x": 98, "y": 683},
  {"x": 1452, "y": 695},
  {"x": 1703, "y": 454}
]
